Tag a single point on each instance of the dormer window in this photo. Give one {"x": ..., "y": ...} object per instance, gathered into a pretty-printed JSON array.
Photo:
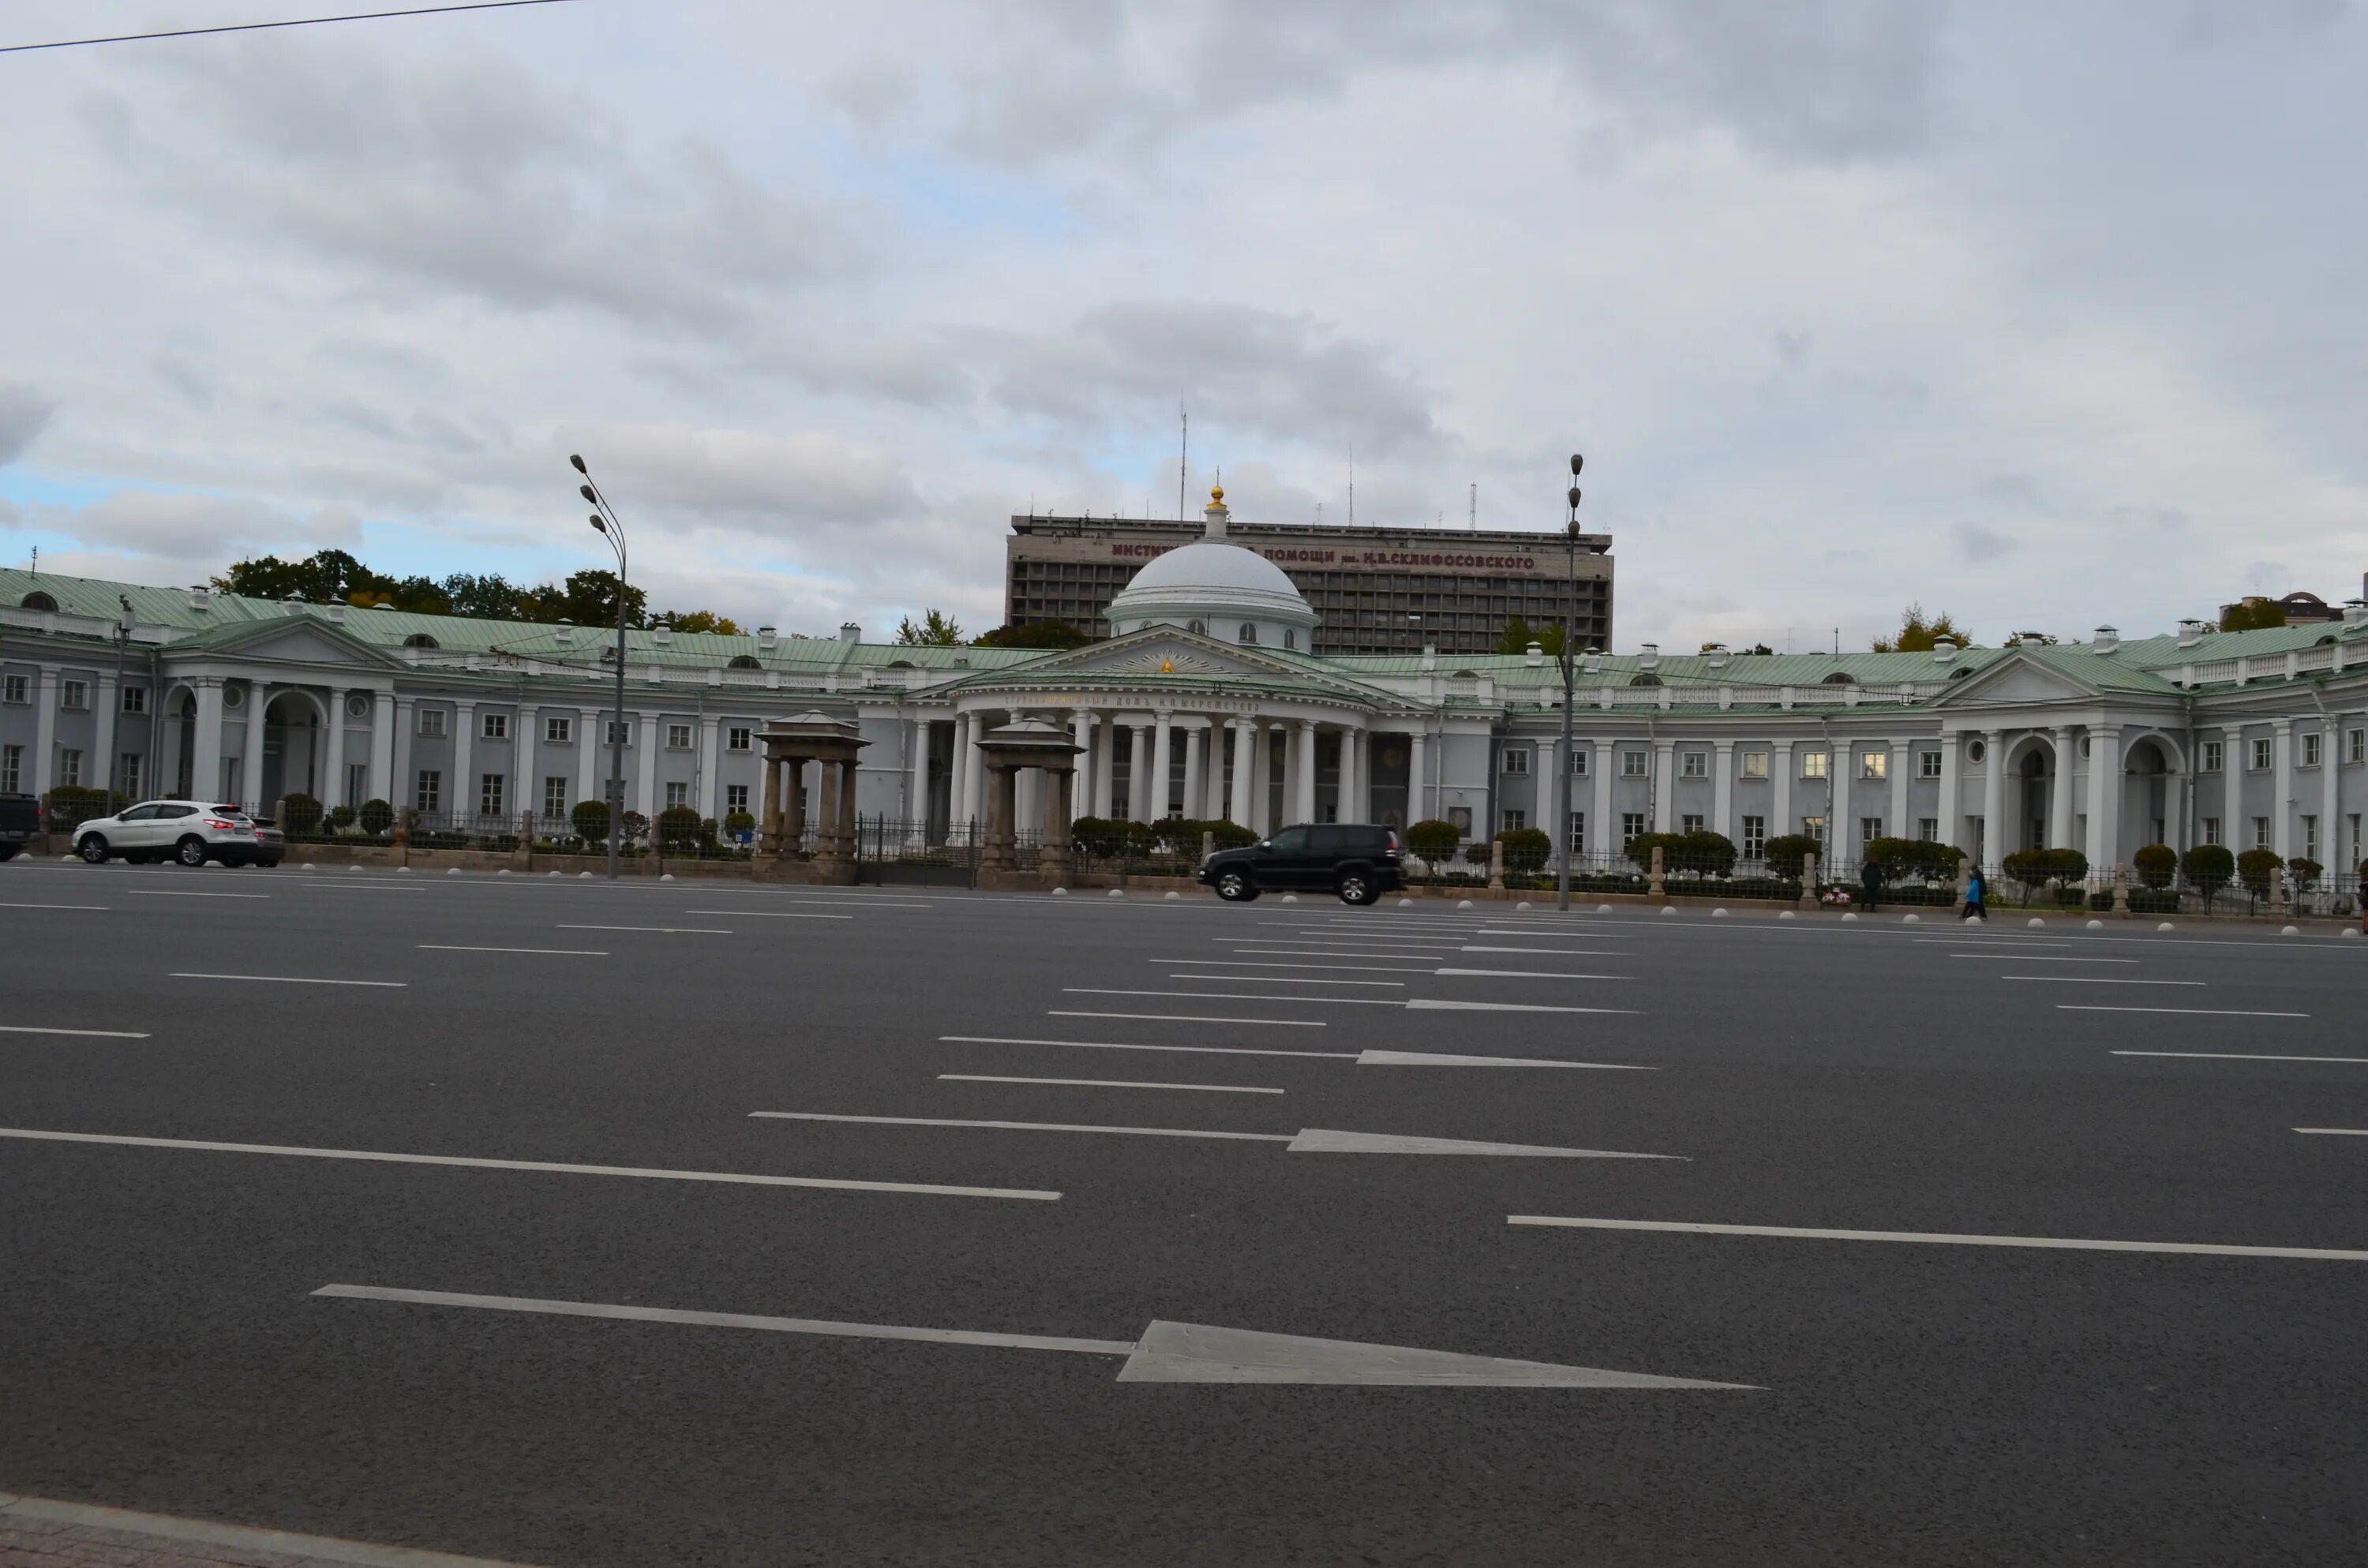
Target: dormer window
[
  {"x": 743, "y": 662},
  {"x": 37, "y": 600},
  {"x": 1839, "y": 677},
  {"x": 1249, "y": 632},
  {"x": 419, "y": 640}
]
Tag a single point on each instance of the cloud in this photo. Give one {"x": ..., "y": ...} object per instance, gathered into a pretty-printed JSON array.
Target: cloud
[
  {"x": 186, "y": 527},
  {"x": 24, "y": 415},
  {"x": 747, "y": 480},
  {"x": 1982, "y": 545}
]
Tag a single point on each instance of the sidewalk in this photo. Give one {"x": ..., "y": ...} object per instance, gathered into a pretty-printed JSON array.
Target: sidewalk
[{"x": 36, "y": 1532}]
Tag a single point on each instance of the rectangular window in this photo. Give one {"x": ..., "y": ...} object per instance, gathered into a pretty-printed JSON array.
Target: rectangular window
[
  {"x": 1631, "y": 828},
  {"x": 735, "y": 798},
  {"x": 2211, "y": 830},
  {"x": 429, "y": 796},
  {"x": 678, "y": 737},
  {"x": 1755, "y": 838},
  {"x": 736, "y": 738},
  {"x": 2261, "y": 832},
  {"x": 132, "y": 771},
  {"x": 1813, "y": 764},
  {"x": 74, "y": 695},
  {"x": 555, "y": 796},
  {"x": 2352, "y": 821},
  {"x": 2355, "y": 746},
  {"x": 432, "y": 724},
  {"x": 559, "y": 732},
  {"x": 2260, "y": 756},
  {"x": 2310, "y": 838},
  {"x": 2214, "y": 757},
  {"x": 489, "y": 794},
  {"x": 677, "y": 795},
  {"x": 1693, "y": 764},
  {"x": 2310, "y": 748},
  {"x": 1929, "y": 829},
  {"x": 1632, "y": 764},
  {"x": 620, "y": 731},
  {"x": 12, "y": 769},
  {"x": 1578, "y": 762},
  {"x": 70, "y": 767},
  {"x": 357, "y": 783},
  {"x": 1755, "y": 764},
  {"x": 1928, "y": 765},
  {"x": 136, "y": 699},
  {"x": 494, "y": 727},
  {"x": 15, "y": 688},
  {"x": 1874, "y": 765},
  {"x": 1515, "y": 820},
  {"x": 1513, "y": 760},
  {"x": 1813, "y": 827},
  {"x": 1578, "y": 832},
  {"x": 1691, "y": 822},
  {"x": 1869, "y": 830}
]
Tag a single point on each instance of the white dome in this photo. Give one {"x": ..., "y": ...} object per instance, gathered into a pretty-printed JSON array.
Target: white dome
[
  {"x": 1218, "y": 590},
  {"x": 1211, "y": 564}
]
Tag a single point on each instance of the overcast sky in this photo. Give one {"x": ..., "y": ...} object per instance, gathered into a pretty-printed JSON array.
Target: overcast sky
[{"x": 2046, "y": 314}]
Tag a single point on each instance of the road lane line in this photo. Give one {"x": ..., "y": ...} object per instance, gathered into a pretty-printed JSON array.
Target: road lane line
[
  {"x": 2335, "y": 1131},
  {"x": 1550, "y": 953},
  {"x": 184, "y": 893},
  {"x": 89, "y": 1034},
  {"x": 2187, "y": 1012},
  {"x": 554, "y": 952},
  {"x": 2037, "y": 958},
  {"x": 1306, "y": 1141},
  {"x": 1331, "y": 953},
  {"x": 670, "y": 930},
  {"x": 1252, "y": 963},
  {"x": 733, "y": 1320},
  {"x": 1433, "y": 1004},
  {"x": 560, "y": 1168},
  {"x": 254, "y": 1543},
  {"x": 1104, "y": 1084},
  {"x": 1228, "y": 996},
  {"x": 1288, "y": 980},
  {"x": 1940, "y": 1238},
  {"x": 2240, "y": 1056},
  {"x": 100, "y": 907},
  {"x": 771, "y": 914},
  {"x": 1115, "y": 1045},
  {"x": 2095, "y": 980},
  {"x": 1529, "y": 974},
  {"x": 1192, "y": 1018},
  {"x": 1022, "y": 1126},
  {"x": 287, "y": 980}
]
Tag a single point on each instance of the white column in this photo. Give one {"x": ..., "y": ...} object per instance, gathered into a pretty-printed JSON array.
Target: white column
[
  {"x": 1162, "y": 740},
  {"x": 2104, "y": 846},
  {"x": 1239, "y": 808},
  {"x": 45, "y": 730},
  {"x": 406, "y": 788},
  {"x": 460, "y": 795},
  {"x": 1138, "y": 772},
  {"x": 1780, "y": 807},
  {"x": 205, "y": 750},
  {"x": 1352, "y": 777},
  {"x": 384, "y": 723},
  {"x": 525, "y": 789},
  {"x": 1604, "y": 831},
  {"x": 2059, "y": 797},
  {"x": 1840, "y": 759},
  {"x": 1994, "y": 848},
  {"x": 1213, "y": 792},
  {"x": 1952, "y": 786},
  {"x": 2331, "y": 808},
  {"x": 1721, "y": 809},
  {"x": 1261, "y": 780},
  {"x": 1106, "y": 768},
  {"x": 1303, "y": 801},
  {"x": 1081, "y": 799},
  {"x": 590, "y": 740},
  {"x": 1665, "y": 780},
  {"x": 2174, "y": 811},
  {"x": 975, "y": 773},
  {"x": 710, "y": 758},
  {"x": 1192, "y": 770},
  {"x": 101, "y": 773},
  {"x": 333, "y": 783},
  {"x": 2281, "y": 802},
  {"x": 1417, "y": 776},
  {"x": 916, "y": 795},
  {"x": 1899, "y": 826},
  {"x": 648, "y": 771}
]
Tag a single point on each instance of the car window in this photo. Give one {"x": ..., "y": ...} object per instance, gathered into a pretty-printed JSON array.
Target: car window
[
  {"x": 139, "y": 813},
  {"x": 1328, "y": 840},
  {"x": 177, "y": 811},
  {"x": 1290, "y": 841}
]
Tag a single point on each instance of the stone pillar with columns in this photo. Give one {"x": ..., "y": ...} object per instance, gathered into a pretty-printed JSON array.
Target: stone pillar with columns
[
  {"x": 1192, "y": 773},
  {"x": 1240, "y": 812},
  {"x": 2104, "y": 846},
  {"x": 1303, "y": 796},
  {"x": 1664, "y": 783},
  {"x": 917, "y": 799},
  {"x": 1352, "y": 777},
  {"x": 205, "y": 748},
  {"x": 2059, "y": 794},
  {"x": 1417, "y": 776},
  {"x": 1994, "y": 850},
  {"x": 2282, "y": 794},
  {"x": 1721, "y": 790},
  {"x": 1105, "y": 773},
  {"x": 1154, "y": 799},
  {"x": 1952, "y": 787},
  {"x": 1900, "y": 825},
  {"x": 1212, "y": 789},
  {"x": 1138, "y": 773},
  {"x": 1780, "y": 791}
]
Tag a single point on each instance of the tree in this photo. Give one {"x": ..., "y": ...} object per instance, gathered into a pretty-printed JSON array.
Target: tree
[
  {"x": 936, "y": 629},
  {"x": 1034, "y": 634},
  {"x": 1519, "y": 634},
  {"x": 490, "y": 597},
  {"x": 589, "y": 599},
  {"x": 2252, "y": 613},
  {"x": 1433, "y": 840},
  {"x": 2257, "y": 869},
  {"x": 2155, "y": 864},
  {"x": 591, "y": 821},
  {"x": 1917, "y": 635},
  {"x": 2207, "y": 868},
  {"x": 1526, "y": 848},
  {"x": 697, "y": 620}
]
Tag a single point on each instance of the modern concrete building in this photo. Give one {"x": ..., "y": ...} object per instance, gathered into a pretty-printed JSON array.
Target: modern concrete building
[
  {"x": 1375, "y": 590},
  {"x": 1206, "y": 701}
]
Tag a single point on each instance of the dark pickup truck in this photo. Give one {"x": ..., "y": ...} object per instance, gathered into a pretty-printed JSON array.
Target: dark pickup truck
[{"x": 20, "y": 824}]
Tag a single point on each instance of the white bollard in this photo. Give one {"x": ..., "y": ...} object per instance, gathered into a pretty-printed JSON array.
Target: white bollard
[
  {"x": 453, "y": 872},
  {"x": 1668, "y": 909},
  {"x": 1911, "y": 920},
  {"x": 1405, "y": 903},
  {"x": 1118, "y": 892},
  {"x": 662, "y": 876},
  {"x": 2035, "y": 921},
  {"x": 406, "y": 870},
  {"x": 1465, "y": 903},
  {"x": 1849, "y": 915},
  {"x": 1718, "y": 915},
  {"x": 310, "y": 866},
  {"x": 1173, "y": 893},
  {"x": 1602, "y": 909},
  {"x": 1523, "y": 904},
  {"x": 583, "y": 876},
  {"x": 2349, "y": 931},
  {"x": 503, "y": 872},
  {"x": 2291, "y": 931},
  {"x": 355, "y": 867},
  {"x": 2166, "y": 925},
  {"x": 1059, "y": 892},
  {"x": 1291, "y": 898},
  {"x": 551, "y": 873}
]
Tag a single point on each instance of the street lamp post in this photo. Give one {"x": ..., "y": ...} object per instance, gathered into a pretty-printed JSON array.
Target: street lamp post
[
  {"x": 605, "y": 520},
  {"x": 1570, "y": 683}
]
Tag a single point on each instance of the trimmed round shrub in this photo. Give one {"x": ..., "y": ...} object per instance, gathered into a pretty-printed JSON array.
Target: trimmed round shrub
[
  {"x": 1433, "y": 839},
  {"x": 2305, "y": 872},
  {"x": 2257, "y": 869},
  {"x": 1784, "y": 853},
  {"x": 342, "y": 817},
  {"x": 2155, "y": 864},
  {"x": 376, "y": 816},
  {"x": 299, "y": 813},
  {"x": 1703, "y": 852},
  {"x": 2208, "y": 867},
  {"x": 738, "y": 823},
  {"x": 678, "y": 828},
  {"x": 590, "y": 819},
  {"x": 1527, "y": 849}
]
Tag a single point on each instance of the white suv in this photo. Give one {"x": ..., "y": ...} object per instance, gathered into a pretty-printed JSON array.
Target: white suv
[{"x": 188, "y": 831}]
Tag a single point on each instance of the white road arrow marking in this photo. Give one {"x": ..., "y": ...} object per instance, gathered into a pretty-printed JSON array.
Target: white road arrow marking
[
  {"x": 1306, "y": 1141},
  {"x": 1167, "y": 1352}
]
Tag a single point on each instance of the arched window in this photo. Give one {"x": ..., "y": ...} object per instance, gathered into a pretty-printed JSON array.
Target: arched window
[
  {"x": 1289, "y": 638},
  {"x": 420, "y": 640},
  {"x": 1959, "y": 675},
  {"x": 38, "y": 601},
  {"x": 1249, "y": 632},
  {"x": 744, "y": 662},
  {"x": 1200, "y": 626},
  {"x": 900, "y": 664},
  {"x": 1644, "y": 680},
  {"x": 1839, "y": 677}
]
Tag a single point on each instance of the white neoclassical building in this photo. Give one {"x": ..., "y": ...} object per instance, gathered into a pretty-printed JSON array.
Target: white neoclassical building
[{"x": 1207, "y": 703}]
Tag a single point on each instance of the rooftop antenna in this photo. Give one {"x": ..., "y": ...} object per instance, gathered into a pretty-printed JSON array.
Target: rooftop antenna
[
  {"x": 1183, "y": 456},
  {"x": 1838, "y": 641},
  {"x": 1352, "y": 484},
  {"x": 1319, "y": 514},
  {"x": 37, "y": 560},
  {"x": 1471, "y": 519}
]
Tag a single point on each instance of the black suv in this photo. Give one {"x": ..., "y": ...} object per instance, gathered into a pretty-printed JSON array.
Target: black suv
[
  {"x": 1359, "y": 863},
  {"x": 20, "y": 824}
]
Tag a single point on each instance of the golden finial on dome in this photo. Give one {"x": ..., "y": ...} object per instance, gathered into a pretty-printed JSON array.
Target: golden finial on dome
[{"x": 1217, "y": 494}]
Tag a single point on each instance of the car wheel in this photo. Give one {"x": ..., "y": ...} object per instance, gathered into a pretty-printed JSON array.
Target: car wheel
[
  {"x": 190, "y": 851},
  {"x": 1355, "y": 887},
  {"x": 1235, "y": 887},
  {"x": 93, "y": 848}
]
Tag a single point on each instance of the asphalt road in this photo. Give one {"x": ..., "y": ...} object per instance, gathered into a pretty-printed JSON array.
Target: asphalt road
[{"x": 1905, "y": 1400}]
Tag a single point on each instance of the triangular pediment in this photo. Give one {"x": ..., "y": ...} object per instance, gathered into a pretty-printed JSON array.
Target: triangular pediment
[
  {"x": 302, "y": 641},
  {"x": 1171, "y": 653},
  {"x": 2017, "y": 680}
]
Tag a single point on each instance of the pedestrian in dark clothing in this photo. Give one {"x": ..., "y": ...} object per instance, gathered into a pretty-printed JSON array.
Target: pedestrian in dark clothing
[
  {"x": 1870, "y": 879},
  {"x": 1974, "y": 891}
]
